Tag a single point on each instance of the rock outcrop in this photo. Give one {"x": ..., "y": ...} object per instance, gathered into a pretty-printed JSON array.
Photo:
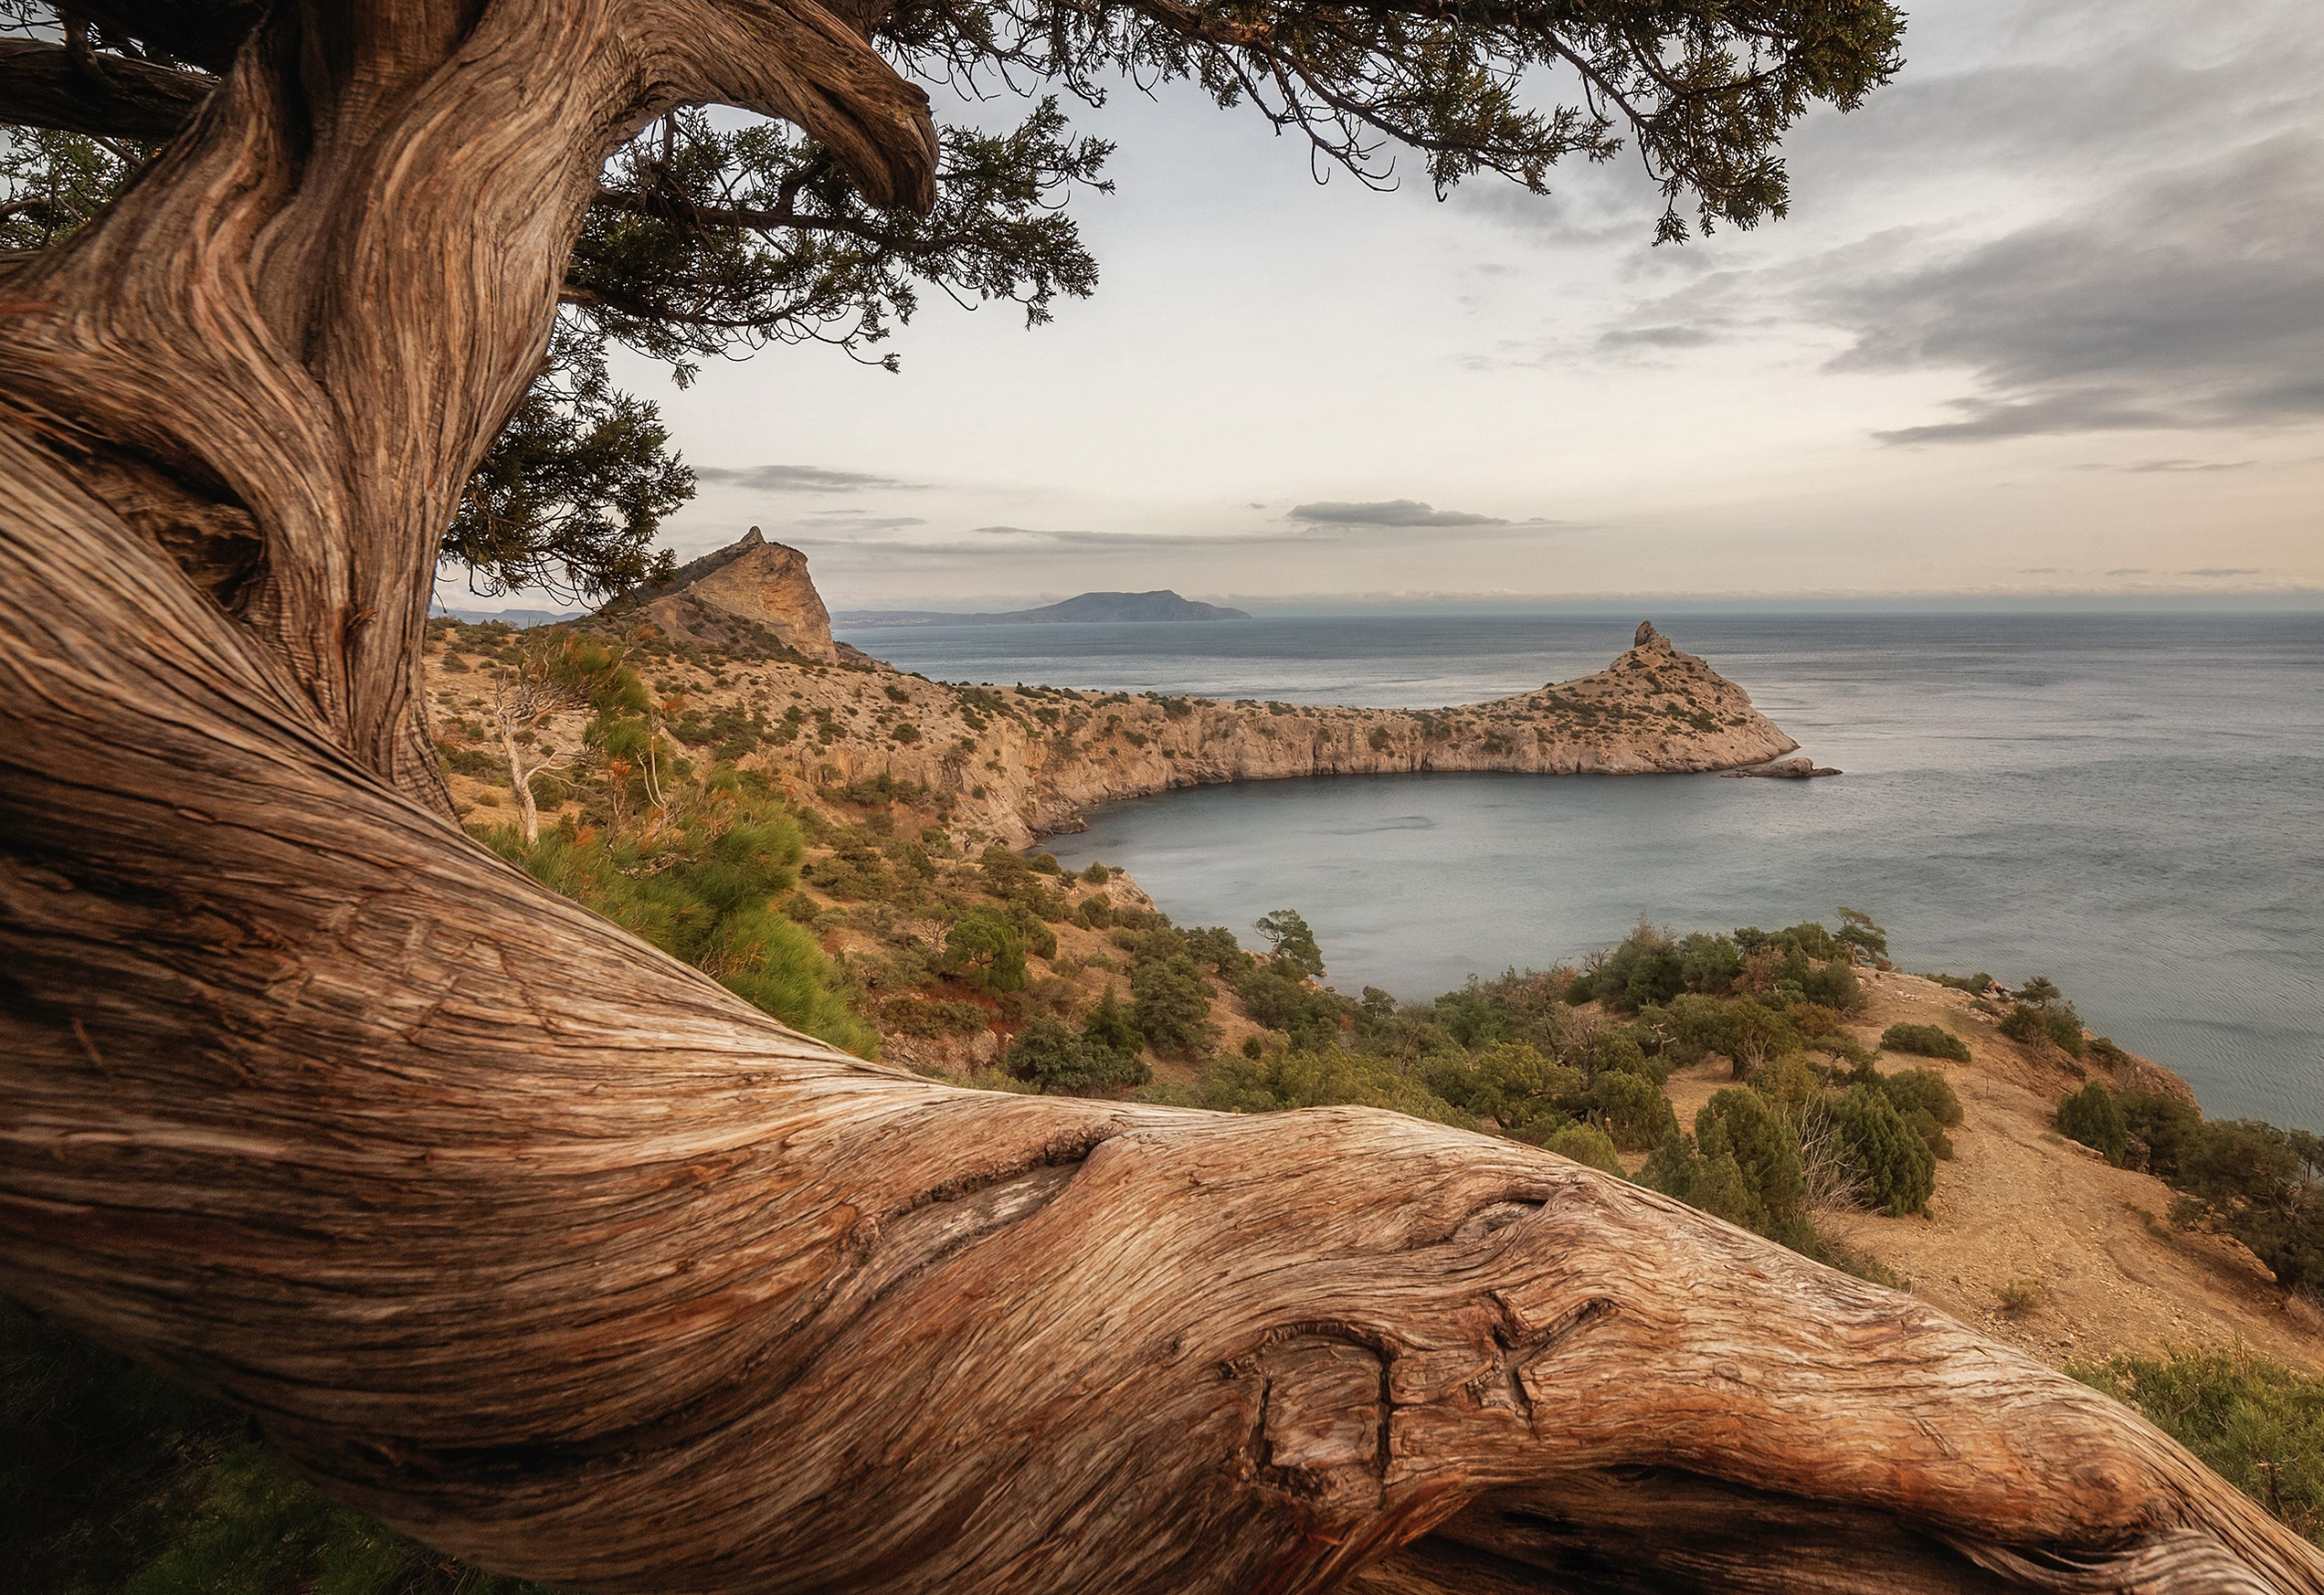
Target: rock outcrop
[
  {"x": 721, "y": 598},
  {"x": 1020, "y": 763},
  {"x": 1799, "y": 768}
]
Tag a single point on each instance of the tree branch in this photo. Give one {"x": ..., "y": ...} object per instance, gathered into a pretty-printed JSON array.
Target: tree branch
[{"x": 45, "y": 86}]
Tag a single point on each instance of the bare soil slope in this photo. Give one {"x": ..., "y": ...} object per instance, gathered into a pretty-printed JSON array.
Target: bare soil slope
[{"x": 2020, "y": 1204}]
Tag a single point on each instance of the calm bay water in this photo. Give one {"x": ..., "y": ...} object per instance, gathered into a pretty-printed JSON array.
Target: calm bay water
[{"x": 2130, "y": 804}]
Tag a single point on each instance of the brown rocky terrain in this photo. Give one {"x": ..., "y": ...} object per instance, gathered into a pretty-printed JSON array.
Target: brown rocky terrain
[
  {"x": 1019, "y": 763},
  {"x": 2019, "y": 1205}
]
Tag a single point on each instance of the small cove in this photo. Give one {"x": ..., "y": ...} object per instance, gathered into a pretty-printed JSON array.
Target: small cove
[{"x": 2133, "y": 804}]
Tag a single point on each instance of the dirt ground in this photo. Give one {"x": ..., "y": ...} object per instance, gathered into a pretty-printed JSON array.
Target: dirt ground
[{"x": 2019, "y": 1203}]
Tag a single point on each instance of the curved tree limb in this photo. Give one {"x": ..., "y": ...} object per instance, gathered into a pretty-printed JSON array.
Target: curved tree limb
[
  {"x": 545, "y": 1247},
  {"x": 550, "y": 1250},
  {"x": 244, "y": 330}
]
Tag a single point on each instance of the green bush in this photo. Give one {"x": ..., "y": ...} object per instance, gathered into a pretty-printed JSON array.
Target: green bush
[
  {"x": 1109, "y": 1024},
  {"x": 1632, "y": 1108},
  {"x": 1613, "y": 1052},
  {"x": 1925, "y": 1041},
  {"x": 767, "y": 959},
  {"x": 2058, "y": 1026},
  {"x": 1170, "y": 1005},
  {"x": 1740, "y": 1124},
  {"x": 1527, "y": 1092},
  {"x": 2090, "y": 1116},
  {"x": 2255, "y": 1422},
  {"x": 1834, "y": 986},
  {"x": 933, "y": 1016},
  {"x": 1586, "y": 1145},
  {"x": 704, "y": 891},
  {"x": 1330, "y": 1076},
  {"x": 1894, "y": 1167},
  {"x": 1058, "y": 1061},
  {"x": 2171, "y": 1128},
  {"x": 1714, "y": 1184},
  {"x": 983, "y": 948},
  {"x": 1923, "y": 1089}
]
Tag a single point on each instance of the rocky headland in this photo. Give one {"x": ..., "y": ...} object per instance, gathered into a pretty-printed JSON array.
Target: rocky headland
[{"x": 742, "y": 654}]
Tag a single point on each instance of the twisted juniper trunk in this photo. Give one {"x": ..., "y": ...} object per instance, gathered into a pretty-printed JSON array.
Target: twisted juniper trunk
[{"x": 543, "y": 1246}]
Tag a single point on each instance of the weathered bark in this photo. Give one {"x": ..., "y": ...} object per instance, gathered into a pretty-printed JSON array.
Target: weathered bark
[{"x": 550, "y": 1250}]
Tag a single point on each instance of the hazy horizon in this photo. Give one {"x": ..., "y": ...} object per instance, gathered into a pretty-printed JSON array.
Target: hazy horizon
[{"x": 2045, "y": 318}]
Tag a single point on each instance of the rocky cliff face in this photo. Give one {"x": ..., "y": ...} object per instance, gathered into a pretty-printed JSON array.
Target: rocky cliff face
[
  {"x": 1019, "y": 763},
  {"x": 720, "y": 598},
  {"x": 757, "y": 677}
]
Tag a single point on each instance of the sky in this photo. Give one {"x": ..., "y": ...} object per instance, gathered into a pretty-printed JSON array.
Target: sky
[{"x": 2047, "y": 317}]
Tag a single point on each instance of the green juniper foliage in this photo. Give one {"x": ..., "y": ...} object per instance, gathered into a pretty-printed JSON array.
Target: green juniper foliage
[{"x": 2253, "y": 1422}]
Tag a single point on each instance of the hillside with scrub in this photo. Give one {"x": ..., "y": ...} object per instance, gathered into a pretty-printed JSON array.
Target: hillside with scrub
[
  {"x": 1970, "y": 1143},
  {"x": 1794, "y": 1082}
]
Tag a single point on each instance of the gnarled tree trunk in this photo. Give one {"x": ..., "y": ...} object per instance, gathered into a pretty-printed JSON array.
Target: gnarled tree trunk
[{"x": 545, "y": 1247}]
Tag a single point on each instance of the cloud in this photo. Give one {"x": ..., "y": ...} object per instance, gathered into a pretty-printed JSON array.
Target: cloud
[
  {"x": 799, "y": 478},
  {"x": 2214, "y": 571},
  {"x": 858, "y": 520},
  {"x": 2130, "y": 570},
  {"x": 1388, "y": 513},
  {"x": 2145, "y": 466},
  {"x": 2184, "y": 298},
  {"x": 1662, "y": 337}
]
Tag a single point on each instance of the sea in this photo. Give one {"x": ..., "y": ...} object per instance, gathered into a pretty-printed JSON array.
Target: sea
[{"x": 2130, "y": 803}]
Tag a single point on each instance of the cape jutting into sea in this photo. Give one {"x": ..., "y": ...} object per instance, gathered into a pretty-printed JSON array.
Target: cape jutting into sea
[{"x": 2131, "y": 804}]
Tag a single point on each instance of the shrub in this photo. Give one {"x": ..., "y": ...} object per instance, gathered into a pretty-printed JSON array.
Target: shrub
[
  {"x": 1924, "y": 1090},
  {"x": 1585, "y": 1144},
  {"x": 1834, "y": 985},
  {"x": 1925, "y": 1041},
  {"x": 1097, "y": 875},
  {"x": 767, "y": 959},
  {"x": 1709, "y": 964},
  {"x": 469, "y": 760},
  {"x": 1328, "y": 1076},
  {"x": 1714, "y": 1184},
  {"x": 1170, "y": 1005},
  {"x": 1646, "y": 968},
  {"x": 2090, "y": 1116},
  {"x": 1109, "y": 1024},
  {"x": 703, "y": 891},
  {"x": 1610, "y": 1051},
  {"x": 1527, "y": 1092},
  {"x": 2020, "y": 1296},
  {"x": 2253, "y": 1422},
  {"x": 1766, "y": 1150},
  {"x": 983, "y": 948},
  {"x": 1058, "y": 1061},
  {"x": 2061, "y": 1026},
  {"x": 1894, "y": 1167},
  {"x": 1635, "y": 1111},
  {"x": 1975, "y": 985}
]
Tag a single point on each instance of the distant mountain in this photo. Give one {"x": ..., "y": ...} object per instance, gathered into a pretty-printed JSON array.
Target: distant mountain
[
  {"x": 1113, "y": 608},
  {"x": 521, "y": 619}
]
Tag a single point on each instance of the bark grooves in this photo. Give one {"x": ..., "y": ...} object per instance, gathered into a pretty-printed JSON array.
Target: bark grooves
[{"x": 549, "y": 1250}]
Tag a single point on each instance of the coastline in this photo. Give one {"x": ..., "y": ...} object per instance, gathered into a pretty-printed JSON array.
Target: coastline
[{"x": 1016, "y": 764}]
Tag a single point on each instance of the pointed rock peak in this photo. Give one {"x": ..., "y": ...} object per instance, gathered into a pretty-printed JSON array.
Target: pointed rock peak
[
  {"x": 1646, "y": 632},
  {"x": 751, "y": 538}
]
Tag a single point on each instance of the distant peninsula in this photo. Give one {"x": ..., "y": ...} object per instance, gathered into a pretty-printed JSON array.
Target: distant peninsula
[{"x": 1109, "y": 607}]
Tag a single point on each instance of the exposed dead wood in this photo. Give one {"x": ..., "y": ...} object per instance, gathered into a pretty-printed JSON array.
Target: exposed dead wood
[{"x": 549, "y": 1249}]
